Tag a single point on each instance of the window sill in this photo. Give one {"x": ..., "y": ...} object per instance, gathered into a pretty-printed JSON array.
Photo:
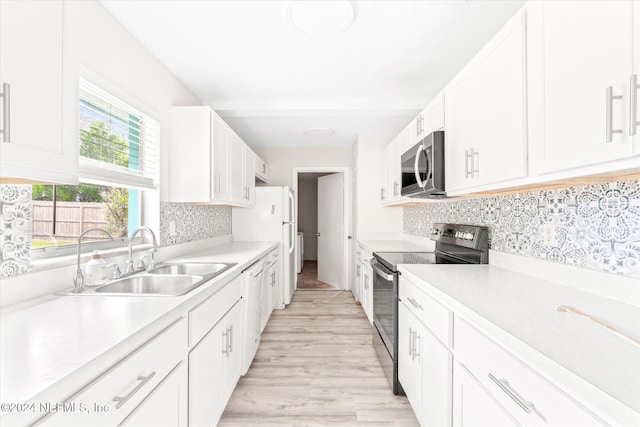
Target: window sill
[{"x": 43, "y": 264}]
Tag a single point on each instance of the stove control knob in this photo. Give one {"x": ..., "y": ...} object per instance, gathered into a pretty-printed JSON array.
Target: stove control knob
[{"x": 468, "y": 236}]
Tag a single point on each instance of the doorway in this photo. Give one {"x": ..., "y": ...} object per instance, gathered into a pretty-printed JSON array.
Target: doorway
[{"x": 322, "y": 226}]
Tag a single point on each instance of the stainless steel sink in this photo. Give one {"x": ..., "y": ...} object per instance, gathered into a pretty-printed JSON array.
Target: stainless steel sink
[
  {"x": 197, "y": 268},
  {"x": 173, "y": 279},
  {"x": 152, "y": 285}
]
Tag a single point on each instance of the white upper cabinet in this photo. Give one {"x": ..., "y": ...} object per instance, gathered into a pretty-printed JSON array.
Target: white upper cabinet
[
  {"x": 34, "y": 105},
  {"x": 485, "y": 113},
  {"x": 580, "y": 63},
  {"x": 434, "y": 115},
  {"x": 198, "y": 156},
  {"x": 209, "y": 163},
  {"x": 261, "y": 169},
  {"x": 242, "y": 174}
]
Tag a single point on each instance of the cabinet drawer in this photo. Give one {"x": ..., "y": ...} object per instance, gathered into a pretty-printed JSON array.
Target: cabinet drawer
[
  {"x": 209, "y": 312},
  {"x": 525, "y": 394},
  {"x": 123, "y": 387},
  {"x": 434, "y": 315}
]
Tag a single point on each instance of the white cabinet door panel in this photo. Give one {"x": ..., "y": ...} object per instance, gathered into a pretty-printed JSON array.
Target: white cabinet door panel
[
  {"x": 575, "y": 53},
  {"x": 31, "y": 62}
]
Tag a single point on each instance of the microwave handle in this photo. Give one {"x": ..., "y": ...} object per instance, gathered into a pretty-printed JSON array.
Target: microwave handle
[{"x": 415, "y": 167}]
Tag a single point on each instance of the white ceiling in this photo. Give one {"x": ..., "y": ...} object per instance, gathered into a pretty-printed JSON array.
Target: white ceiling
[{"x": 271, "y": 82}]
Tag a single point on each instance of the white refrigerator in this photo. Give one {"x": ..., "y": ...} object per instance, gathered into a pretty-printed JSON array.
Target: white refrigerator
[{"x": 272, "y": 219}]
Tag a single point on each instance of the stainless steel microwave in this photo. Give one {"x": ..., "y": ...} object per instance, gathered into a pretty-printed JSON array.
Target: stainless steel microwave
[{"x": 423, "y": 168}]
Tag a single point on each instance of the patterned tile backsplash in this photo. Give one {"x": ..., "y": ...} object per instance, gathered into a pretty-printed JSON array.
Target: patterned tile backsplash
[
  {"x": 596, "y": 226},
  {"x": 15, "y": 229},
  {"x": 193, "y": 222}
]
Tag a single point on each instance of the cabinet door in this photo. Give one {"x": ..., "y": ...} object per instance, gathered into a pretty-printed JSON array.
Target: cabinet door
[
  {"x": 276, "y": 299},
  {"x": 166, "y": 405},
  {"x": 205, "y": 360},
  {"x": 220, "y": 174},
  {"x": 409, "y": 368},
  {"x": 437, "y": 373},
  {"x": 502, "y": 153},
  {"x": 384, "y": 174},
  {"x": 249, "y": 175},
  {"x": 367, "y": 292},
  {"x": 575, "y": 52},
  {"x": 434, "y": 115},
  {"x": 265, "y": 297},
  {"x": 473, "y": 407},
  {"x": 232, "y": 356},
  {"x": 31, "y": 63},
  {"x": 236, "y": 170},
  {"x": 462, "y": 118}
]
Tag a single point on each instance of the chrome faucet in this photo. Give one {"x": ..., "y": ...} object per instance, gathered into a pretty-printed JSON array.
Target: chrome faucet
[
  {"x": 152, "y": 262},
  {"x": 78, "y": 281}
]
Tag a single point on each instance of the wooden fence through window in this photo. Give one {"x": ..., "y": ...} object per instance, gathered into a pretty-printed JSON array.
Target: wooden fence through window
[{"x": 72, "y": 218}]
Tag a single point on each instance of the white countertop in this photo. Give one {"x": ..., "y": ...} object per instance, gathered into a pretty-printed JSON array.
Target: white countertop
[
  {"x": 516, "y": 309},
  {"x": 44, "y": 345}
]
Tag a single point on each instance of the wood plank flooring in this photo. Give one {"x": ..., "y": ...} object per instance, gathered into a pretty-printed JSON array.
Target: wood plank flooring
[{"x": 316, "y": 367}]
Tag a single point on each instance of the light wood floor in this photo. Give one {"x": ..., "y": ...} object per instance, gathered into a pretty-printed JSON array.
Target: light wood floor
[{"x": 315, "y": 367}]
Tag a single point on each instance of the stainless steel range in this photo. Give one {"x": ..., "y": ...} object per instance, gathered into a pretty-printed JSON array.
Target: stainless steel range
[{"x": 455, "y": 244}]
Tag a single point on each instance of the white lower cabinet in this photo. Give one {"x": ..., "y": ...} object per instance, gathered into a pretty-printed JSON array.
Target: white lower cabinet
[
  {"x": 473, "y": 406},
  {"x": 166, "y": 403},
  {"x": 367, "y": 288},
  {"x": 526, "y": 395},
  {"x": 215, "y": 365},
  {"x": 424, "y": 367},
  {"x": 269, "y": 287},
  {"x": 147, "y": 385}
]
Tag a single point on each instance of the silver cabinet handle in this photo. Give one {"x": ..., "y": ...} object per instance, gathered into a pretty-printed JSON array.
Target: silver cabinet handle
[
  {"x": 226, "y": 350},
  {"x": 609, "y": 131},
  {"x": 381, "y": 193},
  {"x": 6, "y": 112},
  {"x": 230, "y": 329},
  {"x": 395, "y": 188},
  {"x": 633, "y": 104},
  {"x": 504, "y": 386},
  {"x": 143, "y": 380},
  {"x": 416, "y": 346},
  {"x": 411, "y": 332},
  {"x": 467, "y": 174},
  {"x": 415, "y": 303},
  {"x": 470, "y": 163}
]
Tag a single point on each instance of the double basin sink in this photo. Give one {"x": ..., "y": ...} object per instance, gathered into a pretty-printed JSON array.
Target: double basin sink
[{"x": 165, "y": 280}]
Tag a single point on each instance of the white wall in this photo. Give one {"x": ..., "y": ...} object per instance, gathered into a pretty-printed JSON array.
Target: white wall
[
  {"x": 281, "y": 161},
  {"x": 308, "y": 216},
  {"x": 97, "y": 46}
]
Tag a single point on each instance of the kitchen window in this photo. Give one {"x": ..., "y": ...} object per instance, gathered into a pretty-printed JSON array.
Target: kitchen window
[{"x": 117, "y": 145}]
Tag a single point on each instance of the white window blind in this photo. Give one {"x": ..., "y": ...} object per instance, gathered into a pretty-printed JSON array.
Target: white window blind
[{"x": 118, "y": 144}]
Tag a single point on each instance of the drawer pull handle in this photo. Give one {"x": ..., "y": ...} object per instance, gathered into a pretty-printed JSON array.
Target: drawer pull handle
[
  {"x": 143, "y": 381},
  {"x": 415, "y": 304},
  {"x": 504, "y": 385}
]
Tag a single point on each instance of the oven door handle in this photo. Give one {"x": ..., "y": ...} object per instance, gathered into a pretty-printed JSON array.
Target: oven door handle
[{"x": 383, "y": 274}]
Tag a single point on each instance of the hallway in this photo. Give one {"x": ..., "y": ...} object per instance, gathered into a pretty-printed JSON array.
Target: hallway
[
  {"x": 316, "y": 366},
  {"x": 308, "y": 279}
]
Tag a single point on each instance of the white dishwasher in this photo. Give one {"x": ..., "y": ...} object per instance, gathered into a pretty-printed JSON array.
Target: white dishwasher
[{"x": 251, "y": 284}]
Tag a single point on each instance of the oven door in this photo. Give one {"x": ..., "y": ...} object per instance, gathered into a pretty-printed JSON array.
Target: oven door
[{"x": 385, "y": 305}]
